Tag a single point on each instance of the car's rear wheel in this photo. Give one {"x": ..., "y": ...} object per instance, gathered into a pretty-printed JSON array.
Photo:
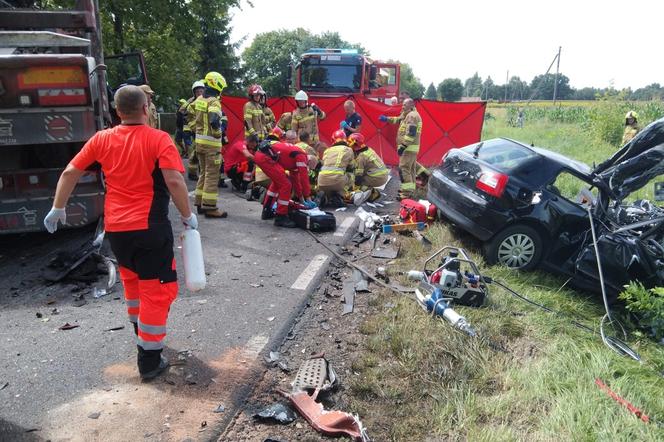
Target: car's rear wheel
[{"x": 517, "y": 247}]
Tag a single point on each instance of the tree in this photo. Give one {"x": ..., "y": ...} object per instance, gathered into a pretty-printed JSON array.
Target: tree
[
  {"x": 175, "y": 38},
  {"x": 268, "y": 57},
  {"x": 517, "y": 89},
  {"x": 488, "y": 89},
  {"x": 409, "y": 82},
  {"x": 542, "y": 86},
  {"x": 651, "y": 92},
  {"x": 473, "y": 86},
  {"x": 450, "y": 89},
  {"x": 430, "y": 93}
]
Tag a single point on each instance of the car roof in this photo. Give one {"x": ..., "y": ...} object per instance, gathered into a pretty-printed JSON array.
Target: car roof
[{"x": 561, "y": 160}]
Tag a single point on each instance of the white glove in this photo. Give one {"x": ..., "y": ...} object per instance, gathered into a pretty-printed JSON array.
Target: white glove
[
  {"x": 52, "y": 218},
  {"x": 191, "y": 222}
]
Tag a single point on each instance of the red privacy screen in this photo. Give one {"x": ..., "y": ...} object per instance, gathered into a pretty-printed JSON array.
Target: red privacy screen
[{"x": 444, "y": 125}]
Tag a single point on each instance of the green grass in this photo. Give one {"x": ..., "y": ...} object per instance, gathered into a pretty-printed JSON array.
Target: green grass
[{"x": 418, "y": 379}]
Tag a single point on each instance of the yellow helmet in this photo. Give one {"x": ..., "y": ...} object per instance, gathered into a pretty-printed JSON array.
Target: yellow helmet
[
  {"x": 631, "y": 114},
  {"x": 215, "y": 81}
]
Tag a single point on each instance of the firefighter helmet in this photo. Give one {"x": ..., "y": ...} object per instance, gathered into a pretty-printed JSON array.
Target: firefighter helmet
[
  {"x": 631, "y": 114},
  {"x": 301, "y": 96},
  {"x": 215, "y": 81},
  {"x": 277, "y": 133},
  {"x": 356, "y": 141},
  {"x": 338, "y": 135},
  {"x": 196, "y": 85},
  {"x": 255, "y": 89}
]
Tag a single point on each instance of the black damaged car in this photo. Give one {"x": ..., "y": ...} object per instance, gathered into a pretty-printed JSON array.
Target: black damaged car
[{"x": 529, "y": 206}]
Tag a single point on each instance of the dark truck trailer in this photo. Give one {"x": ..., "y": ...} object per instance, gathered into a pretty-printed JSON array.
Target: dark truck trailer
[
  {"x": 46, "y": 116},
  {"x": 54, "y": 96}
]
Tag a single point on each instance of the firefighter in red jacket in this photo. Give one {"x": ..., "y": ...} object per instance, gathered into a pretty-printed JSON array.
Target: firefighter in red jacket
[
  {"x": 275, "y": 158},
  {"x": 239, "y": 161}
]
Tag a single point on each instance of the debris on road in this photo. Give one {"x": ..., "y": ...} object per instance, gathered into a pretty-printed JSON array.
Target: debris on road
[
  {"x": 331, "y": 423},
  {"x": 349, "y": 296},
  {"x": 4, "y": 385},
  {"x": 94, "y": 415},
  {"x": 98, "y": 293},
  {"x": 220, "y": 408},
  {"x": 69, "y": 326},
  {"x": 278, "y": 412},
  {"x": 121, "y": 327}
]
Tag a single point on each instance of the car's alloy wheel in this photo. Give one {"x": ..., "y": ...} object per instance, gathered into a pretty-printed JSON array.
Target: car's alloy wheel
[
  {"x": 516, "y": 251},
  {"x": 517, "y": 247}
]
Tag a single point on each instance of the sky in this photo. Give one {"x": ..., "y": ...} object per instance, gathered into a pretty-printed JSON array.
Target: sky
[{"x": 604, "y": 43}]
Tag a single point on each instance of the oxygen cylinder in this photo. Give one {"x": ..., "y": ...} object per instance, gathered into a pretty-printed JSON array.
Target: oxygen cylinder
[{"x": 192, "y": 258}]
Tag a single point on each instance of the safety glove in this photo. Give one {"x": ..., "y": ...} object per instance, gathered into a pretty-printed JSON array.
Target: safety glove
[
  {"x": 344, "y": 125},
  {"x": 383, "y": 119},
  {"x": 52, "y": 218},
  {"x": 191, "y": 222}
]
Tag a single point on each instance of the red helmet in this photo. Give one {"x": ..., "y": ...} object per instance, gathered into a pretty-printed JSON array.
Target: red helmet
[
  {"x": 255, "y": 89},
  {"x": 338, "y": 135},
  {"x": 277, "y": 132},
  {"x": 356, "y": 141}
]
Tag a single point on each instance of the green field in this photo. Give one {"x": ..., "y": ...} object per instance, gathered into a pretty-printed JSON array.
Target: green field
[{"x": 420, "y": 380}]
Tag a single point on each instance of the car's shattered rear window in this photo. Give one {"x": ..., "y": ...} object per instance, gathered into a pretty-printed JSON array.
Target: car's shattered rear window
[{"x": 503, "y": 154}]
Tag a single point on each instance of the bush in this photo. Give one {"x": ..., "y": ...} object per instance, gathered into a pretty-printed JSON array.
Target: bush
[{"x": 647, "y": 305}]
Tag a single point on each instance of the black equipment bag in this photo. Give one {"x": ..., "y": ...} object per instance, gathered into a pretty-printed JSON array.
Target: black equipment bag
[{"x": 316, "y": 223}]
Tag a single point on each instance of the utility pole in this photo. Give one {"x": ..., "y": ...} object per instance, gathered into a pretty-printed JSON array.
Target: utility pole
[
  {"x": 555, "y": 81},
  {"x": 507, "y": 80}
]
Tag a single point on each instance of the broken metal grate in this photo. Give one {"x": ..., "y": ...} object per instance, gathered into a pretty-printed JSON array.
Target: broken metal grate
[{"x": 311, "y": 375}]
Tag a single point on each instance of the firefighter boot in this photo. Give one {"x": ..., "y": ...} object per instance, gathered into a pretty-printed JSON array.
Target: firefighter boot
[
  {"x": 268, "y": 213},
  {"x": 215, "y": 213},
  {"x": 151, "y": 363},
  {"x": 284, "y": 221}
]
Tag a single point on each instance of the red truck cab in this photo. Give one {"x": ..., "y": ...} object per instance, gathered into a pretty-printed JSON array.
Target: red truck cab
[{"x": 323, "y": 72}]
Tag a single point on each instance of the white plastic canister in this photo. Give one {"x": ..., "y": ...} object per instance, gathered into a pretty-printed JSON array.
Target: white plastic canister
[{"x": 192, "y": 257}]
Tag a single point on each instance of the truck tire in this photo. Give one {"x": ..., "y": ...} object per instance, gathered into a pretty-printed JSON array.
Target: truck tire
[{"x": 517, "y": 247}]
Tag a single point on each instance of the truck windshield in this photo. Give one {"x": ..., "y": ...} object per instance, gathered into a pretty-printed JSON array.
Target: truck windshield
[{"x": 332, "y": 78}]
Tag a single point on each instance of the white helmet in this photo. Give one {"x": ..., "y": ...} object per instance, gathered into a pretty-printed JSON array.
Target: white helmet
[
  {"x": 301, "y": 96},
  {"x": 197, "y": 84}
]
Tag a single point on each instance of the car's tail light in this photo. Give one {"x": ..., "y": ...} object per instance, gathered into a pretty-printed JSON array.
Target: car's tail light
[{"x": 493, "y": 183}]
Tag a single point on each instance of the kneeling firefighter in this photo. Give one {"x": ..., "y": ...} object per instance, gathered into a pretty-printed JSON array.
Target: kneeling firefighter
[
  {"x": 370, "y": 170},
  {"x": 336, "y": 171},
  {"x": 275, "y": 158}
]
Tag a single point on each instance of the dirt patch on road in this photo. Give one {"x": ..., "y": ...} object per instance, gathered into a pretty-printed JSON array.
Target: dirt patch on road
[{"x": 179, "y": 406}]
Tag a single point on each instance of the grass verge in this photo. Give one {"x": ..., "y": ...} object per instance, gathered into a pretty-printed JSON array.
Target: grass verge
[{"x": 421, "y": 380}]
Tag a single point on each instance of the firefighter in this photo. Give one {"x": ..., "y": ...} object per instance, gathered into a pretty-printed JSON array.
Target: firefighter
[
  {"x": 305, "y": 118},
  {"x": 285, "y": 121},
  {"x": 275, "y": 158},
  {"x": 179, "y": 128},
  {"x": 239, "y": 161},
  {"x": 314, "y": 160},
  {"x": 141, "y": 167},
  {"x": 408, "y": 145},
  {"x": 335, "y": 173},
  {"x": 261, "y": 180},
  {"x": 269, "y": 120},
  {"x": 254, "y": 117},
  {"x": 208, "y": 129},
  {"x": 631, "y": 127},
  {"x": 370, "y": 171},
  {"x": 352, "y": 124},
  {"x": 153, "y": 120},
  {"x": 187, "y": 111}
]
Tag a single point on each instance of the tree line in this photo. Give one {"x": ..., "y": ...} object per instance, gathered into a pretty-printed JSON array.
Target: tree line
[
  {"x": 181, "y": 40},
  {"x": 541, "y": 87}
]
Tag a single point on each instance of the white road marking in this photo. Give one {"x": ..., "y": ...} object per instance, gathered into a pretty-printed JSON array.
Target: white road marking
[
  {"x": 302, "y": 281},
  {"x": 348, "y": 222},
  {"x": 255, "y": 345}
]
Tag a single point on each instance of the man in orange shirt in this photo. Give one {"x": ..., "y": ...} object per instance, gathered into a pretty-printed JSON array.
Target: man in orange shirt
[{"x": 143, "y": 170}]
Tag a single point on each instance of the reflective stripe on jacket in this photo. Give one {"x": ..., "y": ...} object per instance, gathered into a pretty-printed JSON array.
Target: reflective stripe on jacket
[
  {"x": 369, "y": 164},
  {"x": 336, "y": 160},
  {"x": 206, "y": 135},
  {"x": 254, "y": 119}
]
